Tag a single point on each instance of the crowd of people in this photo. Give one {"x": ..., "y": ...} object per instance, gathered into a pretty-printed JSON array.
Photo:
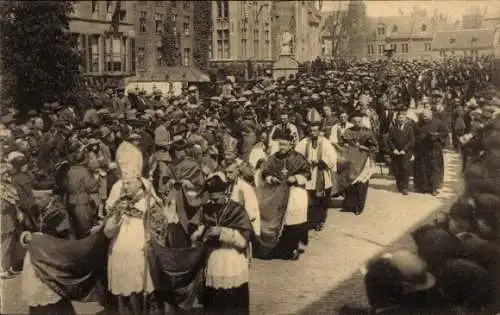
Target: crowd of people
[{"x": 186, "y": 190}]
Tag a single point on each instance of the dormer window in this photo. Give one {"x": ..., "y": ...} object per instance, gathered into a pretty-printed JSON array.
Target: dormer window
[
  {"x": 453, "y": 40},
  {"x": 424, "y": 27},
  {"x": 474, "y": 39},
  {"x": 381, "y": 30},
  {"x": 394, "y": 28}
]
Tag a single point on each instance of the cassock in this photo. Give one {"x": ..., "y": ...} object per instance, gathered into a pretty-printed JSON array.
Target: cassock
[
  {"x": 294, "y": 219},
  {"x": 323, "y": 160},
  {"x": 430, "y": 139},
  {"x": 363, "y": 141},
  {"x": 227, "y": 268},
  {"x": 401, "y": 138}
]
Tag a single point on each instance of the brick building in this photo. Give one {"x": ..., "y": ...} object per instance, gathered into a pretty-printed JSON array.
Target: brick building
[
  {"x": 242, "y": 32},
  {"x": 108, "y": 56},
  {"x": 150, "y": 26}
]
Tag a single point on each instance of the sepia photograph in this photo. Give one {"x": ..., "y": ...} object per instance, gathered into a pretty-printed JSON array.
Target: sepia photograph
[{"x": 269, "y": 157}]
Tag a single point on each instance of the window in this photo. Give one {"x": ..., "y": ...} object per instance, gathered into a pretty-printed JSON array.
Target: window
[
  {"x": 80, "y": 48},
  {"x": 453, "y": 40},
  {"x": 140, "y": 58},
  {"x": 124, "y": 54},
  {"x": 186, "y": 25},
  {"x": 404, "y": 48},
  {"x": 394, "y": 47},
  {"x": 174, "y": 19},
  {"x": 222, "y": 44},
  {"x": 113, "y": 53},
  {"x": 394, "y": 28},
  {"x": 187, "y": 56},
  {"x": 441, "y": 53},
  {"x": 381, "y": 30},
  {"x": 210, "y": 50},
  {"x": 244, "y": 48},
  {"x": 186, "y": 4},
  {"x": 159, "y": 56},
  {"x": 371, "y": 50},
  {"x": 95, "y": 7},
  {"x": 222, "y": 9},
  {"x": 159, "y": 22},
  {"x": 256, "y": 42},
  {"x": 473, "y": 39},
  {"x": 381, "y": 49},
  {"x": 424, "y": 27},
  {"x": 266, "y": 35},
  {"x": 174, "y": 3},
  {"x": 427, "y": 46},
  {"x": 132, "y": 55},
  {"x": 142, "y": 21},
  {"x": 94, "y": 55},
  {"x": 109, "y": 9}
]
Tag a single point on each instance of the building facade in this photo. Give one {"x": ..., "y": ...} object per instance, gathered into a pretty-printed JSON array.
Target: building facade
[
  {"x": 107, "y": 52},
  {"x": 241, "y": 31},
  {"x": 150, "y": 20}
]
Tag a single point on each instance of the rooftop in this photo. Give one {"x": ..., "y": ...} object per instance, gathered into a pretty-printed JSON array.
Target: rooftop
[{"x": 463, "y": 39}]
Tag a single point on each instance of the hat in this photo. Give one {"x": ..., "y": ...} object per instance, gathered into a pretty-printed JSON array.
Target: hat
[
  {"x": 192, "y": 88},
  {"x": 216, "y": 182},
  {"x": 283, "y": 135},
  {"x": 129, "y": 160},
  {"x": 14, "y": 155},
  {"x": 242, "y": 99},
  {"x": 247, "y": 93},
  {"x": 180, "y": 144},
  {"x": 357, "y": 113},
  {"x": 8, "y": 119},
  {"x": 435, "y": 244},
  {"x": 215, "y": 99},
  {"x": 413, "y": 269}
]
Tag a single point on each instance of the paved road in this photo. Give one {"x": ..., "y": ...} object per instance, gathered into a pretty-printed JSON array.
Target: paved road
[{"x": 327, "y": 275}]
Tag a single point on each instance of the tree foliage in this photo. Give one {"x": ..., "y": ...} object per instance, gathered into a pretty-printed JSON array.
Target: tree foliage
[
  {"x": 38, "y": 56},
  {"x": 337, "y": 25},
  {"x": 170, "y": 41},
  {"x": 202, "y": 32}
]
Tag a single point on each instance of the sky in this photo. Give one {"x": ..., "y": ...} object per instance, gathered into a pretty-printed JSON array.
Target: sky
[{"x": 454, "y": 9}]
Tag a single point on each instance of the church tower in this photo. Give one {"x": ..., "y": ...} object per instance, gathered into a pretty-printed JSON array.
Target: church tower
[{"x": 357, "y": 29}]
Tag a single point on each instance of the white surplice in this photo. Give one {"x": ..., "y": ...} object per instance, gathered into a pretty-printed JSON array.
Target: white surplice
[{"x": 325, "y": 152}]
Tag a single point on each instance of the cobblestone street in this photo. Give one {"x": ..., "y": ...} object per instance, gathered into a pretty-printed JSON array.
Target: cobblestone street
[{"x": 327, "y": 275}]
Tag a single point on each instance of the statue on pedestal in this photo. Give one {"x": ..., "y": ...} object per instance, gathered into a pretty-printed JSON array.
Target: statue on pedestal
[{"x": 286, "y": 43}]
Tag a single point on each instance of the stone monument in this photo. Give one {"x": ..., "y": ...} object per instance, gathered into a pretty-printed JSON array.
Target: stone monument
[{"x": 286, "y": 63}]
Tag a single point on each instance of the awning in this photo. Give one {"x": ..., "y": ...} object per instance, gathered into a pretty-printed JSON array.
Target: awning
[{"x": 188, "y": 74}]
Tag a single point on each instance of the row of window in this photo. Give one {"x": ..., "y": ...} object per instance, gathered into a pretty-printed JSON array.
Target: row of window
[
  {"x": 159, "y": 23},
  {"x": 141, "y": 57},
  {"x": 106, "y": 53},
  {"x": 381, "y": 29},
  {"x": 394, "y": 48}
]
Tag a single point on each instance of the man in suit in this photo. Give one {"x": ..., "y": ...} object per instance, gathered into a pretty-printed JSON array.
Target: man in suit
[{"x": 401, "y": 140}]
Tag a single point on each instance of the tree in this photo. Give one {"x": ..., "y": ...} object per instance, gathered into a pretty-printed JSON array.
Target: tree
[
  {"x": 39, "y": 59},
  {"x": 202, "y": 32},
  {"x": 337, "y": 27},
  {"x": 170, "y": 41}
]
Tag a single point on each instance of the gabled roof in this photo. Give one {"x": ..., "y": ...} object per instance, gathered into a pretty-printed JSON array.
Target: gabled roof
[
  {"x": 464, "y": 39},
  {"x": 402, "y": 26}
]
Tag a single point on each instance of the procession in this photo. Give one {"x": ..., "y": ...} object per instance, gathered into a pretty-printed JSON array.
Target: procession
[{"x": 147, "y": 202}]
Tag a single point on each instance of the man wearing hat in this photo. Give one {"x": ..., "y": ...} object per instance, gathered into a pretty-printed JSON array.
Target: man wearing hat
[
  {"x": 363, "y": 144},
  {"x": 430, "y": 138},
  {"x": 285, "y": 126},
  {"x": 226, "y": 230},
  {"x": 81, "y": 184},
  {"x": 400, "y": 141},
  {"x": 290, "y": 170}
]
